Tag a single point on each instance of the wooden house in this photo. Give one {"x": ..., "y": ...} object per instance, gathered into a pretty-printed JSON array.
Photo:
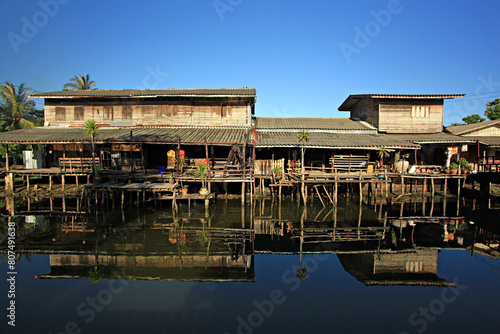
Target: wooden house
[
  {"x": 150, "y": 107},
  {"x": 484, "y": 149},
  {"x": 333, "y": 142},
  {"x": 415, "y": 118},
  {"x": 396, "y": 113},
  {"x": 138, "y": 127},
  {"x": 416, "y": 267}
]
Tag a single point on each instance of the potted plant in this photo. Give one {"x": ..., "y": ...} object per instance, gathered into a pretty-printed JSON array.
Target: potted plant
[
  {"x": 454, "y": 168},
  {"x": 185, "y": 189},
  {"x": 171, "y": 178},
  {"x": 464, "y": 165},
  {"x": 446, "y": 169},
  {"x": 382, "y": 153},
  {"x": 277, "y": 172},
  {"x": 202, "y": 173}
]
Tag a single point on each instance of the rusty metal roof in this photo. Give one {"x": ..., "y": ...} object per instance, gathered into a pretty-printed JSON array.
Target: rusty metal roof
[
  {"x": 122, "y": 93},
  {"x": 468, "y": 128},
  {"x": 353, "y": 99},
  {"x": 188, "y": 135},
  {"x": 333, "y": 140},
  {"x": 432, "y": 138},
  {"x": 311, "y": 123}
]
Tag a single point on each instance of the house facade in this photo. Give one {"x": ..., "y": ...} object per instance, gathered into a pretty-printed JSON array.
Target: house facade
[
  {"x": 396, "y": 113},
  {"x": 150, "y": 107}
]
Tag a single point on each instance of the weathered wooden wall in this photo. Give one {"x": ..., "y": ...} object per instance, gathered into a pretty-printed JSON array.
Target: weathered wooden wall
[
  {"x": 410, "y": 116},
  {"x": 491, "y": 131},
  {"x": 401, "y": 115},
  {"x": 211, "y": 113},
  {"x": 365, "y": 110}
]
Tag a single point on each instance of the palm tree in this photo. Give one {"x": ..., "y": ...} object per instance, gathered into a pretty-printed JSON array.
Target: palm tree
[
  {"x": 91, "y": 130},
  {"x": 382, "y": 153},
  {"x": 304, "y": 136},
  {"x": 15, "y": 104},
  {"x": 80, "y": 82}
]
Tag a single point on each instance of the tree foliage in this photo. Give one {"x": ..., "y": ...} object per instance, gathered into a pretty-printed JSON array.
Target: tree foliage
[
  {"x": 80, "y": 82},
  {"x": 471, "y": 119},
  {"x": 15, "y": 106},
  {"x": 493, "y": 109}
]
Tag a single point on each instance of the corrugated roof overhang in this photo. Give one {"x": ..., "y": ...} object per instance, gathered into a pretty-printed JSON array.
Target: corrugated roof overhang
[{"x": 154, "y": 135}]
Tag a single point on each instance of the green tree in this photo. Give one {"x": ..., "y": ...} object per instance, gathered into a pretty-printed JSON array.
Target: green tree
[
  {"x": 15, "y": 105},
  {"x": 91, "y": 131},
  {"x": 382, "y": 153},
  {"x": 304, "y": 137},
  {"x": 80, "y": 82},
  {"x": 493, "y": 110},
  {"x": 471, "y": 119}
]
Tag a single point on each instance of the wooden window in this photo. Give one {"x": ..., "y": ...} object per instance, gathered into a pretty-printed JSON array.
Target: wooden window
[
  {"x": 226, "y": 111},
  {"x": 108, "y": 113},
  {"x": 126, "y": 112},
  {"x": 420, "y": 111},
  {"x": 167, "y": 110},
  {"x": 78, "y": 114},
  {"x": 60, "y": 114}
]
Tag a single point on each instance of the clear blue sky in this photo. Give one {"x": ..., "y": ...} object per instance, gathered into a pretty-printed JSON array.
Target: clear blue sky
[{"x": 304, "y": 57}]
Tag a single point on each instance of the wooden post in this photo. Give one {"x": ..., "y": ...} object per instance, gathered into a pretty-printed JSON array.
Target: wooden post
[
  {"x": 27, "y": 182},
  {"x": 316, "y": 187},
  {"x": 63, "y": 181},
  {"x": 402, "y": 185},
  {"x": 242, "y": 193},
  {"x": 433, "y": 187},
  {"x": 445, "y": 190},
  {"x": 131, "y": 155}
]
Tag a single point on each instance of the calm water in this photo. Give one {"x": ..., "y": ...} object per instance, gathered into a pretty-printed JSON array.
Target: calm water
[{"x": 268, "y": 267}]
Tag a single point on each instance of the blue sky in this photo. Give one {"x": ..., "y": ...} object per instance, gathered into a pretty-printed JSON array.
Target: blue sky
[{"x": 304, "y": 57}]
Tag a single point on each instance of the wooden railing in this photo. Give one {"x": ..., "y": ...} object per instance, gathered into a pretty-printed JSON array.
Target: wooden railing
[
  {"x": 77, "y": 164},
  {"x": 349, "y": 163}
]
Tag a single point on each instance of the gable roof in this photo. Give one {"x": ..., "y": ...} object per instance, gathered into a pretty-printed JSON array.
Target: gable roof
[
  {"x": 468, "y": 128},
  {"x": 123, "y": 93},
  {"x": 311, "y": 123},
  {"x": 353, "y": 99},
  {"x": 333, "y": 140}
]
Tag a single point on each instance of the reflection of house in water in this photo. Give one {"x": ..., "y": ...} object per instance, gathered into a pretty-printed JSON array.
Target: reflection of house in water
[
  {"x": 173, "y": 267},
  {"x": 413, "y": 267}
]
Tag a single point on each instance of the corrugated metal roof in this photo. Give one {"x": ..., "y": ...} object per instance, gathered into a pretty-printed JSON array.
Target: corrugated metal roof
[
  {"x": 468, "y": 128},
  {"x": 353, "y": 99},
  {"x": 214, "y": 135},
  {"x": 490, "y": 141},
  {"x": 333, "y": 140},
  {"x": 310, "y": 123},
  {"x": 431, "y": 138},
  {"x": 208, "y": 92}
]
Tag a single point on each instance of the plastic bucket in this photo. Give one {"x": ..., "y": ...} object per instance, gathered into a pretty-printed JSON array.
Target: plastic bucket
[{"x": 161, "y": 169}]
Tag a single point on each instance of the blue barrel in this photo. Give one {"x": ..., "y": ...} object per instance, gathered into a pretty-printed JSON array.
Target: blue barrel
[{"x": 161, "y": 169}]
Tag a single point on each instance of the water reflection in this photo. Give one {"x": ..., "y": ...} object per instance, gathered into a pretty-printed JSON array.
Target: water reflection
[{"x": 377, "y": 243}]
